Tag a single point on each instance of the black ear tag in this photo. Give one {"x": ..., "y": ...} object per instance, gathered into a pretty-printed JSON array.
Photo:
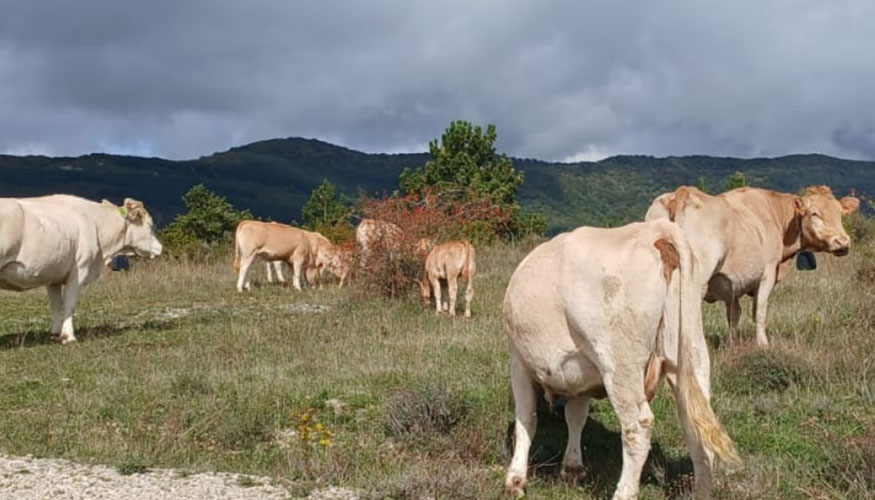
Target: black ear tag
[{"x": 805, "y": 261}]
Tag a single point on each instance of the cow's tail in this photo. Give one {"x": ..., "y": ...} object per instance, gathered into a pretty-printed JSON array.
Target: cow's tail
[
  {"x": 237, "y": 250},
  {"x": 693, "y": 404}
]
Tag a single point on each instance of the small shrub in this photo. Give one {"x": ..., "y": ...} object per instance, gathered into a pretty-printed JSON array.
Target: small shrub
[
  {"x": 761, "y": 370},
  {"x": 132, "y": 465},
  {"x": 423, "y": 412}
]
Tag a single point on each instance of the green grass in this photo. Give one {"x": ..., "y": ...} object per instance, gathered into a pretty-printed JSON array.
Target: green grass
[{"x": 175, "y": 369}]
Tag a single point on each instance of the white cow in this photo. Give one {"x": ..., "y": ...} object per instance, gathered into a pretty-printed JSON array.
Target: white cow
[
  {"x": 63, "y": 242},
  {"x": 605, "y": 311}
]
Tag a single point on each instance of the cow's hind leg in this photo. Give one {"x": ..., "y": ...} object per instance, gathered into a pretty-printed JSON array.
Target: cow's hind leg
[
  {"x": 525, "y": 407},
  {"x": 767, "y": 282},
  {"x": 436, "y": 290},
  {"x": 576, "y": 411},
  {"x": 733, "y": 314},
  {"x": 242, "y": 282},
  {"x": 297, "y": 263},
  {"x": 625, "y": 389},
  {"x": 469, "y": 295},
  {"x": 56, "y": 304}
]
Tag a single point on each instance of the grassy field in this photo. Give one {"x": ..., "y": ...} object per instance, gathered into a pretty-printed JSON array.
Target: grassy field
[{"x": 175, "y": 369}]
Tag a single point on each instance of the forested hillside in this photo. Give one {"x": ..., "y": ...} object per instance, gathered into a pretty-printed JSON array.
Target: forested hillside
[{"x": 274, "y": 178}]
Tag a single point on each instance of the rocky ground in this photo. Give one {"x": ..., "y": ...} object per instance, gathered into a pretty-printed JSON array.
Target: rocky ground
[{"x": 27, "y": 478}]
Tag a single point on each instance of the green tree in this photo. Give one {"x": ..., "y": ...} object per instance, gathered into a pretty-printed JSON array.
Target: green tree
[
  {"x": 324, "y": 208},
  {"x": 327, "y": 213},
  {"x": 210, "y": 220},
  {"x": 465, "y": 166},
  {"x": 736, "y": 180},
  {"x": 464, "y": 161}
]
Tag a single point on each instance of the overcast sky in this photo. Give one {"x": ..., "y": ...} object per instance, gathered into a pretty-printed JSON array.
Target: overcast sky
[{"x": 561, "y": 80}]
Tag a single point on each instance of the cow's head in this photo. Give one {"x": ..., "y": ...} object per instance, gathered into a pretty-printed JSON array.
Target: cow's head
[
  {"x": 424, "y": 290},
  {"x": 821, "y": 220},
  {"x": 139, "y": 230}
]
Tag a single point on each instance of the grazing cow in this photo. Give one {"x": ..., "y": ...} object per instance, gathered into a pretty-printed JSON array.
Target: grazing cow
[
  {"x": 744, "y": 239},
  {"x": 271, "y": 241},
  {"x": 63, "y": 243},
  {"x": 372, "y": 233},
  {"x": 598, "y": 312},
  {"x": 447, "y": 262}
]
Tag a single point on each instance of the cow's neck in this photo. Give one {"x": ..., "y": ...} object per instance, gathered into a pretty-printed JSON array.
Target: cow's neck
[
  {"x": 111, "y": 231},
  {"x": 791, "y": 227}
]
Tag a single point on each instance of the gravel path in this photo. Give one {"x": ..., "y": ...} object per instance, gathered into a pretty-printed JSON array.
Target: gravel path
[{"x": 24, "y": 478}]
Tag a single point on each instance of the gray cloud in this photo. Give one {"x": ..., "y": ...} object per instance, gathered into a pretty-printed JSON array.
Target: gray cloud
[{"x": 560, "y": 79}]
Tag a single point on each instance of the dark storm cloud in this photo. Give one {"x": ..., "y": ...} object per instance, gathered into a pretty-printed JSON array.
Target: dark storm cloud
[{"x": 560, "y": 79}]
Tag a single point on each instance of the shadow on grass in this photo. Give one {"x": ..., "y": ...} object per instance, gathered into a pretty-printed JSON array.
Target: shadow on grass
[
  {"x": 33, "y": 338},
  {"x": 602, "y": 458}
]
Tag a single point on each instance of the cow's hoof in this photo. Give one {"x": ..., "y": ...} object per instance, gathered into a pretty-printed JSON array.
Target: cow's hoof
[
  {"x": 68, "y": 340},
  {"x": 516, "y": 486},
  {"x": 572, "y": 473}
]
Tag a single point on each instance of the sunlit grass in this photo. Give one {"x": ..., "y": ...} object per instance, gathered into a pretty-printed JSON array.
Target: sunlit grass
[{"x": 174, "y": 368}]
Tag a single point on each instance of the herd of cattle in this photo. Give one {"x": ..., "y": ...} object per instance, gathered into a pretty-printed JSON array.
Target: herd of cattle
[{"x": 593, "y": 312}]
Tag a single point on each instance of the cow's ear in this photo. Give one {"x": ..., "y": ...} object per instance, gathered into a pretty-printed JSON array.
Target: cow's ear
[
  {"x": 135, "y": 210},
  {"x": 799, "y": 206},
  {"x": 850, "y": 204}
]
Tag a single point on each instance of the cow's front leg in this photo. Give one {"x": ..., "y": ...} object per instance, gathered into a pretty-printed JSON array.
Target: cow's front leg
[
  {"x": 56, "y": 304},
  {"x": 70, "y": 296},
  {"x": 767, "y": 282},
  {"x": 297, "y": 265}
]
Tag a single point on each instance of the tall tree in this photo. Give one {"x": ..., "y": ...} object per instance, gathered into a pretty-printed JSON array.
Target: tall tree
[
  {"x": 465, "y": 161},
  {"x": 210, "y": 219}
]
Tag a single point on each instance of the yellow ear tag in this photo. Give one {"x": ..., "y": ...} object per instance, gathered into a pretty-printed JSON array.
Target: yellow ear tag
[{"x": 123, "y": 211}]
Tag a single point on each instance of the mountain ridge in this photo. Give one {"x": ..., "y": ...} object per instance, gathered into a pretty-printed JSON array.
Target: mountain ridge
[{"x": 274, "y": 177}]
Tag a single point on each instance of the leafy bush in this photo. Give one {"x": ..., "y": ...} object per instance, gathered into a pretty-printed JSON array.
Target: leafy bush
[{"x": 209, "y": 222}]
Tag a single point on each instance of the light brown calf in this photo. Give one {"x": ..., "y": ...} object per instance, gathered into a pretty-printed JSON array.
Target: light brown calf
[{"x": 448, "y": 262}]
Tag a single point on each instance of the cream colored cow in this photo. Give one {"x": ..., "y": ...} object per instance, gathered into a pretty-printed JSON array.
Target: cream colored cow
[
  {"x": 449, "y": 262},
  {"x": 605, "y": 311},
  {"x": 744, "y": 239},
  {"x": 63, "y": 242},
  {"x": 271, "y": 241}
]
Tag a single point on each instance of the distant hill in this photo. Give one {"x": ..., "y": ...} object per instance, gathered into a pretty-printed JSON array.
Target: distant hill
[{"x": 274, "y": 178}]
